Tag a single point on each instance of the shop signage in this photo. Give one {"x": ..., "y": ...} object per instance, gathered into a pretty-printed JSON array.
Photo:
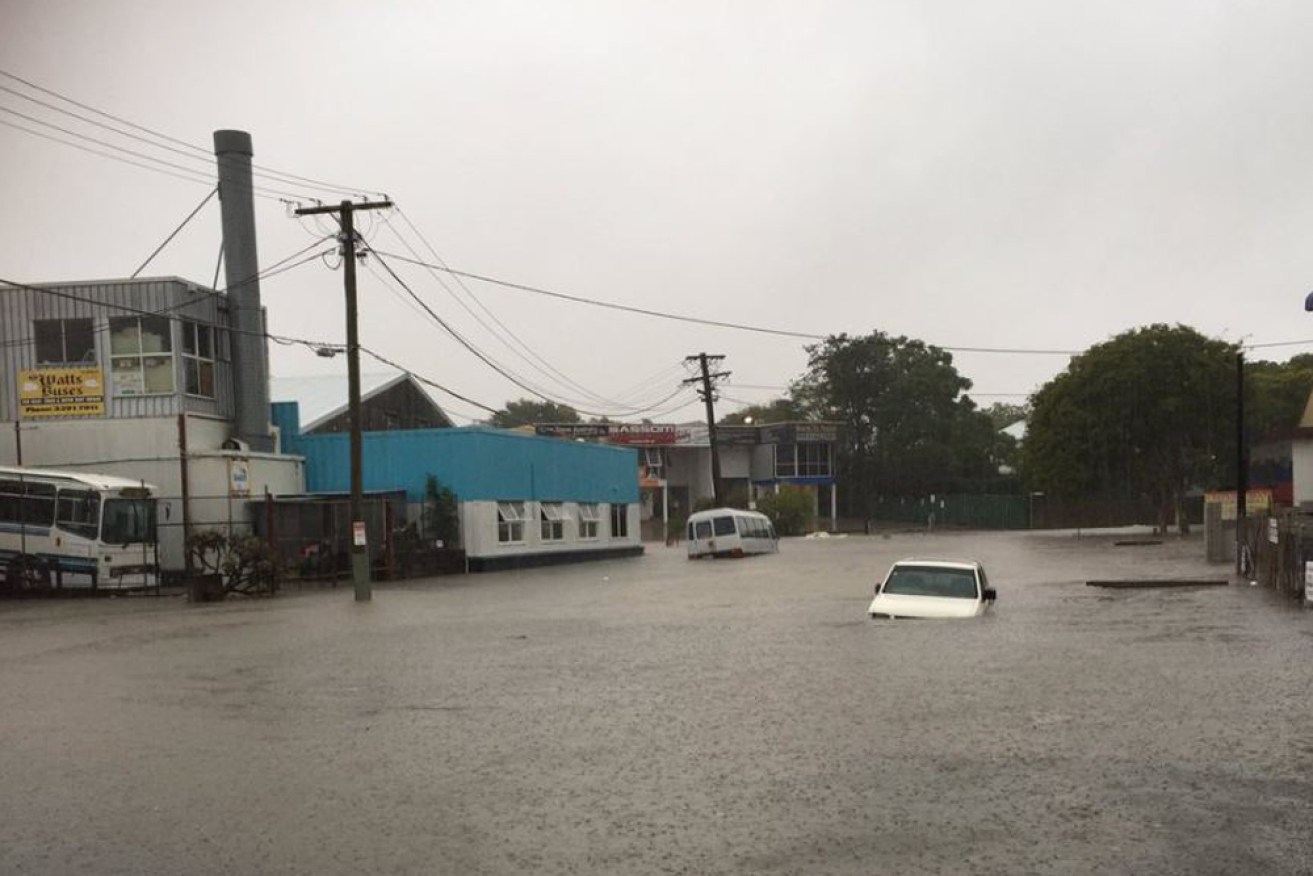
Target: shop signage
[
  {"x": 61, "y": 392},
  {"x": 793, "y": 433},
  {"x": 571, "y": 430},
  {"x": 1257, "y": 501},
  {"x": 642, "y": 433}
]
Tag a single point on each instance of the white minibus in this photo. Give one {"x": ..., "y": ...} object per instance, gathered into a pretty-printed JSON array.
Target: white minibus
[{"x": 729, "y": 532}]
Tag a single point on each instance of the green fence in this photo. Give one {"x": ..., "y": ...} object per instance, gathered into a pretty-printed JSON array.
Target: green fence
[{"x": 973, "y": 511}]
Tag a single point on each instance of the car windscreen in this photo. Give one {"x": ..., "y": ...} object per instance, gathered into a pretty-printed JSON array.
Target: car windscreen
[{"x": 931, "y": 581}]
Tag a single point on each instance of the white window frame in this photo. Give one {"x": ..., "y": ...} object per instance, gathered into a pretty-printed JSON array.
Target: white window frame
[
  {"x": 811, "y": 467},
  {"x": 510, "y": 523},
  {"x": 589, "y": 516},
  {"x": 194, "y": 360},
  {"x": 551, "y": 516},
  {"x": 654, "y": 464},
  {"x": 128, "y": 367}
]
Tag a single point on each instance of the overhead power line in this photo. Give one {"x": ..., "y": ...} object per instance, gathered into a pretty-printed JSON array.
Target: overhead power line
[
  {"x": 156, "y": 165},
  {"x": 267, "y": 172},
  {"x": 593, "y": 302},
  {"x": 199, "y": 178},
  {"x": 1275, "y": 344},
  {"x": 513, "y": 378},
  {"x": 715, "y": 323},
  {"x": 533, "y": 359}
]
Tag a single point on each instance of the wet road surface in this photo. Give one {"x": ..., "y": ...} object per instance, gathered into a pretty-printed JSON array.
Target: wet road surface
[{"x": 661, "y": 716}]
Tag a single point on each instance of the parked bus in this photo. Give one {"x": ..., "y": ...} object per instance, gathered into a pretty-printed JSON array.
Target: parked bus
[
  {"x": 73, "y": 529},
  {"x": 729, "y": 532}
]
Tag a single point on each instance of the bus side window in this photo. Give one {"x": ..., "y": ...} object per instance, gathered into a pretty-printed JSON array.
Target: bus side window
[
  {"x": 25, "y": 502},
  {"x": 11, "y": 500}
]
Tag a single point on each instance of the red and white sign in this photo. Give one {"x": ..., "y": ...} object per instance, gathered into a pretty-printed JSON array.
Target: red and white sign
[
  {"x": 642, "y": 433},
  {"x": 358, "y": 533}
]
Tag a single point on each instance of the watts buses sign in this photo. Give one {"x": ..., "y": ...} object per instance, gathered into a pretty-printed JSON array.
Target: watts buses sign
[{"x": 61, "y": 392}]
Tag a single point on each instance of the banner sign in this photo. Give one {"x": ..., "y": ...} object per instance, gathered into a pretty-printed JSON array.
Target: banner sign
[
  {"x": 613, "y": 433},
  {"x": 571, "y": 430},
  {"x": 61, "y": 392},
  {"x": 642, "y": 433},
  {"x": 695, "y": 434},
  {"x": 1257, "y": 501}
]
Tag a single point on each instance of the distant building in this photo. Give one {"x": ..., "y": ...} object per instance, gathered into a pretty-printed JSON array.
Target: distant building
[
  {"x": 675, "y": 463},
  {"x": 388, "y": 401}
]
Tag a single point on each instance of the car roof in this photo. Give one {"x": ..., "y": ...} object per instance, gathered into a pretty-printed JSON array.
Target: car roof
[{"x": 939, "y": 564}]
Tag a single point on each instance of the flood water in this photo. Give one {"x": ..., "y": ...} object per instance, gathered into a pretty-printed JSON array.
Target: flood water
[{"x": 657, "y": 715}]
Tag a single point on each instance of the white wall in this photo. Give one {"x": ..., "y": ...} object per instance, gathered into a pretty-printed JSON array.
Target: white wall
[
  {"x": 1301, "y": 470},
  {"x": 735, "y": 462},
  {"x": 478, "y": 521},
  {"x": 146, "y": 449},
  {"x": 98, "y": 442}
]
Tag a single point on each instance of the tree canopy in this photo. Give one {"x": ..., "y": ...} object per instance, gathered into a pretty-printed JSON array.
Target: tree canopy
[
  {"x": 1149, "y": 413},
  {"x": 527, "y": 411},
  {"x": 906, "y": 427},
  {"x": 1276, "y": 394}
]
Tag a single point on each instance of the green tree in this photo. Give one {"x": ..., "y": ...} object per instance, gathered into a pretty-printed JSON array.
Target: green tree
[
  {"x": 905, "y": 426},
  {"x": 780, "y": 410},
  {"x": 1276, "y": 395},
  {"x": 440, "y": 518},
  {"x": 1149, "y": 413},
  {"x": 527, "y": 411},
  {"x": 791, "y": 509},
  {"x": 1005, "y": 449},
  {"x": 1004, "y": 414}
]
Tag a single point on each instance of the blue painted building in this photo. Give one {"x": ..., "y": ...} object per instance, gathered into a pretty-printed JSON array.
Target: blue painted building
[{"x": 523, "y": 499}]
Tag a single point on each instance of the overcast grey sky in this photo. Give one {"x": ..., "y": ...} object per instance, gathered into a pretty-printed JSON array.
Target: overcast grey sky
[{"x": 1034, "y": 175}]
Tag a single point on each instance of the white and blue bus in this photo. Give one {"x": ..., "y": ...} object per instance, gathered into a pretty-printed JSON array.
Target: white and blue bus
[
  {"x": 729, "y": 532},
  {"x": 73, "y": 529}
]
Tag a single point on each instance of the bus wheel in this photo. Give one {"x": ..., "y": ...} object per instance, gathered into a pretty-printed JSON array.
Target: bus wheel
[{"x": 26, "y": 574}]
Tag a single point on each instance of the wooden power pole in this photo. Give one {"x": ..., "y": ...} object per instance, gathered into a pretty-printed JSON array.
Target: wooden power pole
[
  {"x": 359, "y": 545},
  {"x": 707, "y": 379}
]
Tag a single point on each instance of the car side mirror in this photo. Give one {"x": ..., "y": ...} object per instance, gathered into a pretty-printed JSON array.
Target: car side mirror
[{"x": 989, "y": 594}]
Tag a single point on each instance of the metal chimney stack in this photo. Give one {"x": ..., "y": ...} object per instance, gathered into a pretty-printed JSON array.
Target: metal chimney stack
[{"x": 232, "y": 149}]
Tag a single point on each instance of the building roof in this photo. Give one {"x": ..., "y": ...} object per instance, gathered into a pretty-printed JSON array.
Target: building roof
[
  {"x": 322, "y": 397},
  {"x": 1017, "y": 430}
]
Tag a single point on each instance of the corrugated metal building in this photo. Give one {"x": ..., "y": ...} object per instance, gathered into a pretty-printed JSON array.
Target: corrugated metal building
[
  {"x": 133, "y": 378},
  {"x": 522, "y": 499}
]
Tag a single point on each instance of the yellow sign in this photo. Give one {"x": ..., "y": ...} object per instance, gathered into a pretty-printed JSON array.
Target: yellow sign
[
  {"x": 1257, "y": 500},
  {"x": 61, "y": 392}
]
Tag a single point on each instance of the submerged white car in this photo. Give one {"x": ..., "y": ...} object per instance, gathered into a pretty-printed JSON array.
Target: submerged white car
[{"x": 933, "y": 589}]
